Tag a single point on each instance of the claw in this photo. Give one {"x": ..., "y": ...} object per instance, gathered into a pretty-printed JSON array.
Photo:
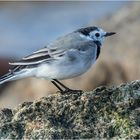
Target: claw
[{"x": 71, "y": 91}]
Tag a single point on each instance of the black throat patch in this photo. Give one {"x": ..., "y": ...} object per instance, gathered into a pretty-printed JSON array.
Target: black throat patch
[
  {"x": 98, "y": 51},
  {"x": 98, "y": 44}
]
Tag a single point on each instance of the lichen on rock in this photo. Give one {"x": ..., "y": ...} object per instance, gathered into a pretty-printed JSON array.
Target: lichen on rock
[{"x": 106, "y": 112}]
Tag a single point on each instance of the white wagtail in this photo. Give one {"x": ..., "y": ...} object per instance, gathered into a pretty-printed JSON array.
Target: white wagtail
[{"x": 67, "y": 57}]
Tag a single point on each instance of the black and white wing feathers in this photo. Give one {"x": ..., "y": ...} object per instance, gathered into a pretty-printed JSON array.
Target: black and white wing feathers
[
  {"x": 40, "y": 56},
  {"x": 55, "y": 50}
]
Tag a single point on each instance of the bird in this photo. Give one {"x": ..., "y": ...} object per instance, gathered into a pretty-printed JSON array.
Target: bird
[{"x": 66, "y": 57}]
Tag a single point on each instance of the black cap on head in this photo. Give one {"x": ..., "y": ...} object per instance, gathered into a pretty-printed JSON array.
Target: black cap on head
[{"x": 87, "y": 30}]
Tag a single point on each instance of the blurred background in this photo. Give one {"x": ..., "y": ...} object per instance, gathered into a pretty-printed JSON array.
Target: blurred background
[{"x": 28, "y": 26}]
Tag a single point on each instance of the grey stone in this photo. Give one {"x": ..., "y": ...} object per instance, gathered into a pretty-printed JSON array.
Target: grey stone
[{"x": 106, "y": 112}]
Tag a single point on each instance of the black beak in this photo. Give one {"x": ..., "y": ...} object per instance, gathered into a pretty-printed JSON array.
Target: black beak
[{"x": 109, "y": 34}]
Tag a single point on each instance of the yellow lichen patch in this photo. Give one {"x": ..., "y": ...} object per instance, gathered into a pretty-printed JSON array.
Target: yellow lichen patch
[{"x": 122, "y": 124}]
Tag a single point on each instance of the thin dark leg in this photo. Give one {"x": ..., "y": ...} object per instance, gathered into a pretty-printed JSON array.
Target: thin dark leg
[
  {"x": 66, "y": 89},
  {"x": 61, "y": 84},
  {"x": 57, "y": 86}
]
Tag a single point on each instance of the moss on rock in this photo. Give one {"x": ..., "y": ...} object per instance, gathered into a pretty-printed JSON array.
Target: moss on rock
[{"x": 106, "y": 112}]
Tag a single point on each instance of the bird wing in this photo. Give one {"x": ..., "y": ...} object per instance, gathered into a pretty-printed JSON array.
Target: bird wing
[
  {"x": 53, "y": 51},
  {"x": 37, "y": 57}
]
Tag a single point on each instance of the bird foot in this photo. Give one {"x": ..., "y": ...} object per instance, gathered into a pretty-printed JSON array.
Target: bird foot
[{"x": 71, "y": 91}]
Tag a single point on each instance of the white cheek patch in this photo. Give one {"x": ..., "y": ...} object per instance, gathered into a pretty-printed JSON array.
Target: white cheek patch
[
  {"x": 85, "y": 37},
  {"x": 92, "y": 34}
]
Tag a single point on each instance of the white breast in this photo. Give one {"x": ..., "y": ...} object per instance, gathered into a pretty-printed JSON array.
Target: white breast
[{"x": 65, "y": 69}]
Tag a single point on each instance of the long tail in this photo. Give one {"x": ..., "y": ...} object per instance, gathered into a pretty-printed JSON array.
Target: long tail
[
  {"x": 15, "y": 76},
  {"x": 7, "y": 77}
]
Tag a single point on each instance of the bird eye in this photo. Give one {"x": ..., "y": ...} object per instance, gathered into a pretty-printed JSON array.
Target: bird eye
[{"x": 97, "y": 34}]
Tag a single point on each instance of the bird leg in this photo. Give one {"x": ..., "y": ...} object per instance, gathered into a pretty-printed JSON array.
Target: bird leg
[
  {"x": 61, "y": 90},
  {"x": 66, "y": 89}
]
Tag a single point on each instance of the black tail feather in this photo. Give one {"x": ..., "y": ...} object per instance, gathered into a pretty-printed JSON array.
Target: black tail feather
[{"x": 6, "y": 77}]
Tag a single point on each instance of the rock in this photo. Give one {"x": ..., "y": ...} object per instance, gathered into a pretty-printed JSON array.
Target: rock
[{"x": 106, "y": 112}]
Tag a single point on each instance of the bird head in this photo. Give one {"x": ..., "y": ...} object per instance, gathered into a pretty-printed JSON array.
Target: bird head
[{"x": 96, "y": 34}]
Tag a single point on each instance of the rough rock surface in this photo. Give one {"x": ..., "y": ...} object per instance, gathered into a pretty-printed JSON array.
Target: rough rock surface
[{"x": 106, "y": 112}]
